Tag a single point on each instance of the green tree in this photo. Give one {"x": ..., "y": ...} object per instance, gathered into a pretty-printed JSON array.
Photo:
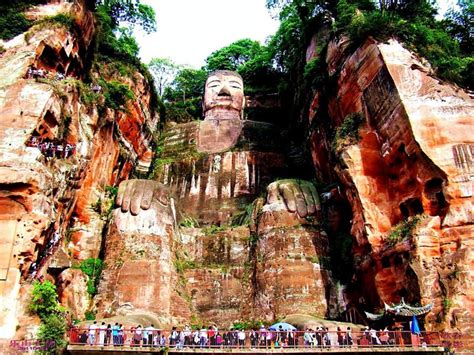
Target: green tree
[
  {"x": 51, "y": 333},
  {"x": 44, "y": 299},
  {"x": 459, "y": 23},
  {"x": 44, "y": 303},
  {"x": 163, "y": 70},
  {"x": 131, "y": 12},
  {"x": 234, "y": 55},
  {"x": 92, "y": 267},
  {"x": 188, "y": 83},
  {"x": 13, "y": 20}
]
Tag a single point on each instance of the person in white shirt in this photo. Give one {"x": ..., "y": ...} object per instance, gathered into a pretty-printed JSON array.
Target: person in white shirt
[
  {"x": 373, "y": 335},
  {"x": 187, "y": 335},
  {"x": 241, "y": 337},
  {"x": 150, "y": 331},
  {"x": 102, "y": 333},
  {"x": 145, "y": 336},
  {"x": 203, "y": 337},
  {"x": 92, "y": 332}
]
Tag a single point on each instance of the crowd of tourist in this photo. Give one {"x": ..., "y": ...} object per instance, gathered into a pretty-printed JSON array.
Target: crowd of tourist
[
  {"x": 211, "y": 337},
  {"x": 35, "y": 73},
  {"x": 52, "y": 149}
]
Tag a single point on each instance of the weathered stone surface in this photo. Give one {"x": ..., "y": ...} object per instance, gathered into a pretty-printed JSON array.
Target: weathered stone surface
[
  {"x": 291, "y": 277},
  {"x": 73, "y": 290},
  {"x": 408, "y": 161},
  {"x": 40, "y": 195},
  {"x": 139, "y": 259}
]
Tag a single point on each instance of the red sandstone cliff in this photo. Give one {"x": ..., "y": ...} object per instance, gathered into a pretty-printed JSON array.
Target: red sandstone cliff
[
  {"x": 41, "y": 194},
  {"x": 414, "y": 157}
]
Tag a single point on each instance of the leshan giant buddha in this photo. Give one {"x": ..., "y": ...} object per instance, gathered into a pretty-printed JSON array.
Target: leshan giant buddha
[{"x": 212, "y": 171}]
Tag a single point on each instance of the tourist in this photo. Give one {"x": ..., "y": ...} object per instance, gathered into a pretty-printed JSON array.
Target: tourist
[
  {"x": 269, "y": 338},
  {"x": 180, "y": 341},
  {"x": 307, "y": 338},
  {"x": 317, "y": 336},
  {"x": 348, "y": 337},
  {"x": 92, "y": 333},
  {"x": 108, "y": 334},
  {"x": 253, "y": 339},
  {"x": 202, "y": 337},
  {"x": 374, "y": 339},
  {"x": 137, "y": 335},
  {"x": 115, "y": 329},
  {"x": 173, "y": 336},
  {"x": 83, "y": 338},
  {"x": 262, "y": 335},
  {"x": 121, "y": 337},
  {"x": 241, "y": 337},
  {"x": 187, "y": 335},
  {"x": 196, "y": 338},
  {"x": 102, "y": 333},
  {"x": 326, "y": 338},
  {"x": 156, "y": 337},
  {"x": 219, "y": 340},
  {"x": 59, "y": 151},
  {"x": 150, "y": 329},
  {"x": 211, "y": 334}
]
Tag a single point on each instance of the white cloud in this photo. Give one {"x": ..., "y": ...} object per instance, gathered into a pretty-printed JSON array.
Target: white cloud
[{"x": 189, "y": 30}]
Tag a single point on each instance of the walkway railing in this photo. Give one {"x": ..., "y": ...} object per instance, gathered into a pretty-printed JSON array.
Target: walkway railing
[{"x": 234, "y": 339}]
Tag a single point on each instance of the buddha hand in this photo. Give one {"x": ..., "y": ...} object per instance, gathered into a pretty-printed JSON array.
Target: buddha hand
[{"x": 299, "y": 196}]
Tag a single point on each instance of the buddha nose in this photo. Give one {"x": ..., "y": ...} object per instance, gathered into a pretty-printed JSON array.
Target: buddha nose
[{"x": 224, "y": 91}]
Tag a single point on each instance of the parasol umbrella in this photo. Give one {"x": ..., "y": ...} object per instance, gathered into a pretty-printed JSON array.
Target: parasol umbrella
[
  {"x": 415, "y": 327},
  {"x": 284, "y": 326}
]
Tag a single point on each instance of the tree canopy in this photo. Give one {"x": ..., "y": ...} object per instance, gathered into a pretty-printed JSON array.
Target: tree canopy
[
  {"x": 163, "y": 70},
  {"x": 130, "y": 13},
  {"x": 233, "y": 56}
]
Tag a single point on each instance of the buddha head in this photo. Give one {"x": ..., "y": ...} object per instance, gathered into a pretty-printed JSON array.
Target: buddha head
[{"x": 223, "y": 95}]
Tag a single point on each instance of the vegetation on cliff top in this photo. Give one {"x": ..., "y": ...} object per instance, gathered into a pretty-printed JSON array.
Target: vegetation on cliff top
[
  {"x": 447, "y": 43},
  {"x": 13, "y": 20}
]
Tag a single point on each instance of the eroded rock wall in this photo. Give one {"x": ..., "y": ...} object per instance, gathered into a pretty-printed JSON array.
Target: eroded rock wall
[
  {"x": 41, "y": 195},
  {"x": 413, "y": 158}
]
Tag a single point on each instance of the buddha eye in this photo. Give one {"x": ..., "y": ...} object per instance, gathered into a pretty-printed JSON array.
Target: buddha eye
[
  {"x": 235, "y": 85},
  {"x": 213, "y": 84}
]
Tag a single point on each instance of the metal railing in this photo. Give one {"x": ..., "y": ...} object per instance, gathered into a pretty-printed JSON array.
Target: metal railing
[{"x": 265, "y": 339}]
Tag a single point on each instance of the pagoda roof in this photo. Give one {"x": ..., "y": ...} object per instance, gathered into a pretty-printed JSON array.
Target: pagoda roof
[{"x": 401, "y": 309}]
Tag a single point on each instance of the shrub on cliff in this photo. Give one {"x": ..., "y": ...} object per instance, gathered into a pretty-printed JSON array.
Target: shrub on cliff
[
  {"x": 403, "y": 230},
  {"x": 44, "y": 303},
  {"x": 51, "y": 333},
  {"x": 348, "y": 133},
  {"x": 44, "y": 299},
  {"x": 92, "y": 267},
  {"x": 116, "y": 94}
]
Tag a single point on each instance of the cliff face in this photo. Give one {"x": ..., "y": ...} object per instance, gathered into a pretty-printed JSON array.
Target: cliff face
[
  {"x": 45, "y": 190},
  {"x": 413, "y": 158},
  {"x": 404, "y": 192}
]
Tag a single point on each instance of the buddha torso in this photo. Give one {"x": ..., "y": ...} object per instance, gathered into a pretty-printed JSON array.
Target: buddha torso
[{"x": 212, "y": 184}]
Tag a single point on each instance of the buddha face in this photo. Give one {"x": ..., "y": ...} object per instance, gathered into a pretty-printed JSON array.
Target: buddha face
[{"x": 224, "y": 90}]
